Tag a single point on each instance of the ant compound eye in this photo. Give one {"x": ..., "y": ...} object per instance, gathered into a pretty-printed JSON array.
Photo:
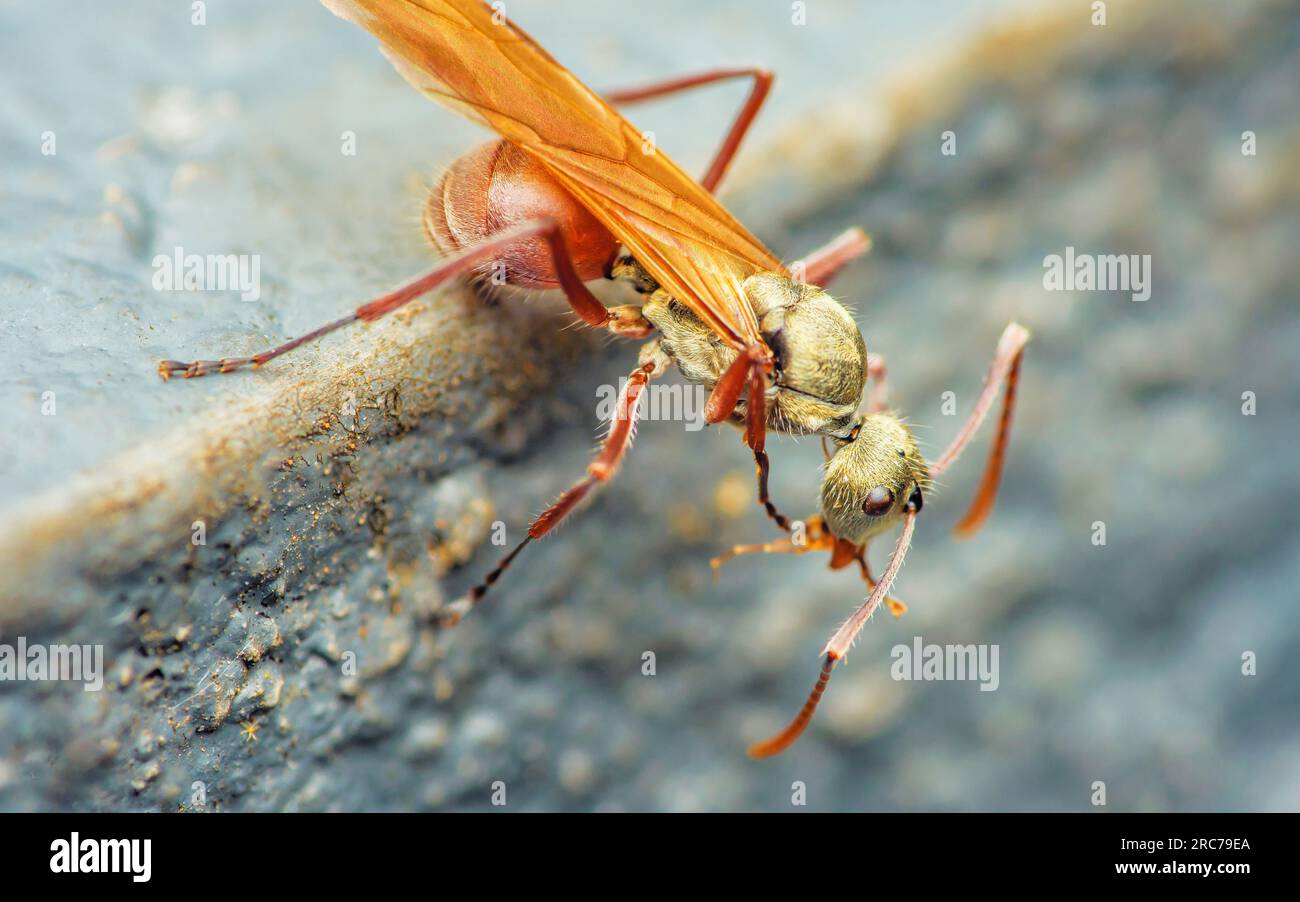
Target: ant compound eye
[
  {"x": 915, "y": 501},
  {"x": 879, "y": 501}
]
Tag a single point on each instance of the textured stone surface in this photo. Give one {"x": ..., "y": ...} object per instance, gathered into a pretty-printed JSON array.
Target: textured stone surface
[{"x": 290, "y": 663}]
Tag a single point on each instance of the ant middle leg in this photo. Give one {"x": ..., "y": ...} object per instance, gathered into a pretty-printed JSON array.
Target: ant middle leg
[
  {"x": 622, "y": 427},
  {"x": 826, "y": 262},
  {"x": 877, "y": 396}
]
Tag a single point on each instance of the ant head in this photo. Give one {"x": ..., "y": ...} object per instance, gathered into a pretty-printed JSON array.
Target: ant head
[{"x": 874, "y": 478}]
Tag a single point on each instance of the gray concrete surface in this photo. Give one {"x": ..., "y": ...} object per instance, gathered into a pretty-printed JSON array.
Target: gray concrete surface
[{"x": 349, "y": 492}]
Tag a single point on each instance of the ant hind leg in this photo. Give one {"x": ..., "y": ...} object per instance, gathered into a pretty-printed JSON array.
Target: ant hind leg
[
  {"x": 762, "y": 79},
  {"x": 624, "y": 321}
]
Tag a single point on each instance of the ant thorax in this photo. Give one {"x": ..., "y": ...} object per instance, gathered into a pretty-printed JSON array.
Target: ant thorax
[{"x": 821, "y": 359}]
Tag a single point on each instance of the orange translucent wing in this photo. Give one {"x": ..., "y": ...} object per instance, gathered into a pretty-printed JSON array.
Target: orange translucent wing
[{"x": 475, "y": 61}]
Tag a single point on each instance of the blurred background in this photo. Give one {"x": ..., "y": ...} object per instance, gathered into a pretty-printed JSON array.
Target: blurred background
[{"x": 292, "y": 660}]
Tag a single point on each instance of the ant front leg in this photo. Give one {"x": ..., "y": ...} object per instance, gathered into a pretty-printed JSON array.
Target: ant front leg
[
  {"x": 626, "y": 322},
  {"x": 813, "y": 536},
  {"x": 896, "y": 607},
  {"x": 749, "y": 368},
  {"x": 839, "y": 646},
  {"x": 622, "y": 427}
]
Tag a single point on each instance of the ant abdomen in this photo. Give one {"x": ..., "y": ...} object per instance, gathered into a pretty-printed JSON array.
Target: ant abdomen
[{"x": 498, "y": 185}]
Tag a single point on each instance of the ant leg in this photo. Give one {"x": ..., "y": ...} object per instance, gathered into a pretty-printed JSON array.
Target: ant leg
[
  {"x": 726, "y": 392},
  {"x": 762, "y": 466},
  {"x": 824, "y": 264},
  {"x": 748, "y": 367},
  {"x": 1006, "y": 367},
  {"x": 584, "y": 303},
  {"x": 838, "y": 647},
  {"x": 779, "y": 546},
  {"x": 816, "y": 538},
  {"x": 602, "y": 468},
  {"x": 876, "y": 376},
  {"x": 896, "y": 607},
  {"x": 744, "y": 119},
  {"x": 756, "y": 438}
]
